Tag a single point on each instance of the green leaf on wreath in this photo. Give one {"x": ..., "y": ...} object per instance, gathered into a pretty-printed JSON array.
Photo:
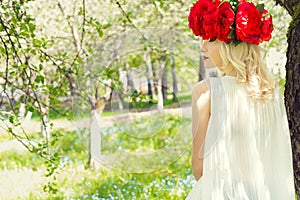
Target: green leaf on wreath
[
  {"x": 260, "y": 7},
  {"x": 231, "y": 34}
]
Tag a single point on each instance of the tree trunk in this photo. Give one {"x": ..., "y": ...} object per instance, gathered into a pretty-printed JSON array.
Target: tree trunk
[
  {"x": 160, "y": 100},
  {"x": 292, "y": 97},
  {"x": 149, "y": 69},
  {"x": 95, "y": 140},
  {"x": 201, "y": 69},
  {"x": 45, "y": 125},
  {"x": 95, "y": 134},
  {"x": 27, "y": 117},
  {"x": 130, "y": 84},
  {"x": 120, "y": 101},
  {"x": 155, "y": 80},
  {"x": 119, "y": 94},
  {"x": 292, "y": 88},
  {"x": 150, "y": 94},
  {"x": 22, "y": 111},
  {"x": 159, "y": 86},
  {"x": 175, "y": 88},
  {"x": 165, "y": 80},
  {"x": 116, "y": 91}
]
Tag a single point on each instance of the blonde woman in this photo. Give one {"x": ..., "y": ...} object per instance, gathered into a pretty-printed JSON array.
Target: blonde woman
[
  {"x": 210, "y": 68},
  {"x": 241, "y": 142}
]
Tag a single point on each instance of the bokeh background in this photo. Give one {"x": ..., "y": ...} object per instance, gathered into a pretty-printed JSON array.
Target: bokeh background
[{"x": 95, "y": 97}]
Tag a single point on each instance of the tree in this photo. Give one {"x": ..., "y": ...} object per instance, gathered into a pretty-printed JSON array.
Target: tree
[
  {"x": 292, "y": 89},
  {"x": 201, "y": 69},
  {"x": 174, "y": 77},
  {"x": 29, "y": 76}
]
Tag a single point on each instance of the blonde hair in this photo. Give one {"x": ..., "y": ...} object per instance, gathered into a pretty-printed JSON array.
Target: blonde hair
[{"x": 248, "y": 61}]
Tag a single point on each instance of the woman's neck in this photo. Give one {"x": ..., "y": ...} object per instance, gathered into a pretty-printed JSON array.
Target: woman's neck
[{"x": 229, "y": 71}]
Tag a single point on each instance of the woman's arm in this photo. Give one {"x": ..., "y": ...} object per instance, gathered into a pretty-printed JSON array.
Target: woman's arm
[{"x": 200, "y": 118}]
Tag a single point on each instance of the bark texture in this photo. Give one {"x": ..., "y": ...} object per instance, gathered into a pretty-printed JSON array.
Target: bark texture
[
  {"x": 292, "y": 88},
  {"x": 201, "y": 70},
  {"x": 174, "y": 78}
]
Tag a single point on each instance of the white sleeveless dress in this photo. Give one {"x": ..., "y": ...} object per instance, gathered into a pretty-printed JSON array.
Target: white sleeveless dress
[{"x": 247, "y": 151}]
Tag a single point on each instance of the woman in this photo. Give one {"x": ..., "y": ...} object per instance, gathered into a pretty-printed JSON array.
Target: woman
[
  {"x": 241, "y": 146},
  {"x": 210, "y": 68}
]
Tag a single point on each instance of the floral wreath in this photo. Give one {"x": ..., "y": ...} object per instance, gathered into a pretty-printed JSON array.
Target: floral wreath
[{"x": 231, "y": 21}]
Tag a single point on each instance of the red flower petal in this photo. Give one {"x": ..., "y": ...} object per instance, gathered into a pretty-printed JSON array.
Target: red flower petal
[
  {"x": 200, "y": 19},
  {"x": 248, "y": 23},
  {"x": 224, "y": 21}
]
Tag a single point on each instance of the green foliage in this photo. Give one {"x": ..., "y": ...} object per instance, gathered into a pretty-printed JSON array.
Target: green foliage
[
  {"x": 260, "y": 7},
  {"x": 94, "y": 23},
  {"x": 282, "y": 85}
]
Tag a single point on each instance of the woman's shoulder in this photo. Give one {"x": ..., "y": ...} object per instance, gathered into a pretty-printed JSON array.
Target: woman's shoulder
[{"x": 200, "y": 88}]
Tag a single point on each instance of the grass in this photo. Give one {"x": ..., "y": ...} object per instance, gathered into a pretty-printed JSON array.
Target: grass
[
  {"x": 5, "y": 137},
  {"x": 169, "y": 180},
  {"x": 14, "y": 159},
  {"x": 142, "y": 134},
  {"x": 74, "y": 183}
]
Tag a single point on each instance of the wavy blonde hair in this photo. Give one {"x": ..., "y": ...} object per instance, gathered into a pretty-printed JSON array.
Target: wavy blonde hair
[{"x": 248, "y": 61}]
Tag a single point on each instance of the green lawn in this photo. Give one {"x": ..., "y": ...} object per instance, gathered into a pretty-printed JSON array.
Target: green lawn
[{"x": 164, "y": 175}]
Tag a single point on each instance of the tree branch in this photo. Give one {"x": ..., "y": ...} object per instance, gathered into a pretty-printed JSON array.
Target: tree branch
[{"x": 21, "y": 62}]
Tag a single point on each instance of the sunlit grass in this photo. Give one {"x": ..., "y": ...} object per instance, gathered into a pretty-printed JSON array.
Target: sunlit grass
[
  {"x": 172, "y": 180},
  {"x": 14, "y": 159}
]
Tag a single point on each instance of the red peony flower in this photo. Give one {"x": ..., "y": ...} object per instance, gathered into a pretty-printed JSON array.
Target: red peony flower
[
  {"x": 248, "y": 23},
  {"x": 217, "y": 2},
  {"x": 230, "y": 21},
  {"x": 209, "y": 23},
  {"x": 267, "y": 27},
  {"x": 224, "y": 21},
  {"x": 241, "y": 1},
  {"x": 200, "y": 19}
]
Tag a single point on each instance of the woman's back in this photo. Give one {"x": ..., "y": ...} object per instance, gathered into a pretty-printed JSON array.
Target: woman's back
[{"x": 247, "y": 150}]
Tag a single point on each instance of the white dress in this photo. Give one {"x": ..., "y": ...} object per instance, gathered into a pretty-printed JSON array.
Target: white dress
[{"x": 247, "y": 151}]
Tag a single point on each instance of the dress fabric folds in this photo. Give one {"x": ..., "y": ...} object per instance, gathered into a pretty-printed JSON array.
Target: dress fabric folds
[{"x": 247, "y": 149}]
